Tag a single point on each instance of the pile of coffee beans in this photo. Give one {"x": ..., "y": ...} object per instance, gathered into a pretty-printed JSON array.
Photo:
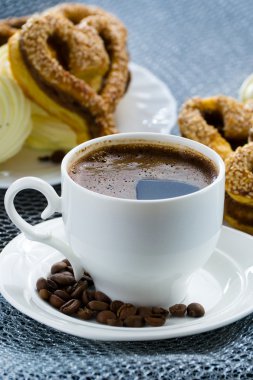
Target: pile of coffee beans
[{"x": 81, "y": 300}]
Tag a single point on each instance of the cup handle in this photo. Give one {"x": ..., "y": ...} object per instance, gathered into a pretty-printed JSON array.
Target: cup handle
[{"x": 54, "y": 205}]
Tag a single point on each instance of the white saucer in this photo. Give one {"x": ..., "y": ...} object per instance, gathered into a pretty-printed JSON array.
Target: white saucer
[
  {"x": 224, "y": 287},
  {"x": 148, "y": 106}
]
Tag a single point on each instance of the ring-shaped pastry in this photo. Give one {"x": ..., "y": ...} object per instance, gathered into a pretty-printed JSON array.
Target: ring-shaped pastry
[
  {"x": 239, "y": 174},
  {"x": 9, "y": 26},
  {"x": 71, "y": 71},
  {"x": 213, "y": 121},
  {"x": 238, "y": 215},
  {"x": 76, "y": 12}
]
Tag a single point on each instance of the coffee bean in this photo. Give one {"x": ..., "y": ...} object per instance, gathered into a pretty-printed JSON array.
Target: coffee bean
[
  {"x": 88, "y": 278},
  {"x": 87, "y": 296},
  {"x": 78, "y": 290},
  {"x": 70, "y": 269},
  {"x": 144, "y": 311},
  {"x": 69, "y": 289},
  {"x": 57, "y": 156},
  {"x": 100, "y": 296},
  {"x": 134, "y": 321},
  {"x": 155, "y": 320},
  {"x": 41, "y": 283},
  {"x": 178, "y": 310},
  {"x": 103, "y": 316},
  {"x": 44, "y": 294},
  {"x": 160, "y": 310},
  {"x": 114, "y": 322},
  {"x": 62, "y": 294},
  {"x": 98, "y": 305},
  {"x": 63, "y": 278},
  {"x": 195, "y": 310},
  {"x": 126, "y": 310},
  {"x": 58, "y": 267},
  {"x": 85, "y": 314},
  {"x": 67, "y": 262},
  {"x": 51, "y": 285},
  {"x": 70, "y": 307},
  {"x": 115, "y": 305},
  {"x": 56, "y": 301}
]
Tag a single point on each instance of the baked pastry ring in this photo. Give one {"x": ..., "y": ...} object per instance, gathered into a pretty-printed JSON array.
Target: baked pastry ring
[
  {"x": 76, "y": 12},
  {"x": 213, "y": 121},
  {"x": 239, "y": 174},
  {"x": 238, "y": 215},
  {"x": 76, "y": 72},
  {"x": 9, "y": 26}
]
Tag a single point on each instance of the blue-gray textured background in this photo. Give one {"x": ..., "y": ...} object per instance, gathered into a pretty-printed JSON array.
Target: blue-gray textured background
[{"x": 197, "y": 47}]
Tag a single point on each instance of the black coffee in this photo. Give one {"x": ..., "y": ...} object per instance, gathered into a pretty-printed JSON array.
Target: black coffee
[{"x": 143, "y": 171}]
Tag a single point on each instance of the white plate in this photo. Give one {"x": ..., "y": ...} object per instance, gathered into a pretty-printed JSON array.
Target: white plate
[
  {"x": 224, "y": 286},
  {"x": 148, "y": 106}
]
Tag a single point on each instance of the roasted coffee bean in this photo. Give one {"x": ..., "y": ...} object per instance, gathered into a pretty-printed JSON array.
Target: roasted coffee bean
[
  {"x": 57, "y": 156},
  {"x": 51, "y": 285},
  {"x": 126, "y": 310},
  {"x": 103, "y": 316},
  {"x": 62, "y": 294},
  {"x": 70, "y": 307},
  {"x": 115, "y": 305},
  {"x": 144, "y": 311},
  {"x": 70, "y": 269},
  {"x": 100, "y": 296},
  {"x": 160, "y": 310},
  {"x": 88, "y": 278},
  {"x": 63, "y": 278},
  {"x": 87, "y": 296},
  {"x": 98, "y": 305},
  {"x": 58, "y": 267},
  {"x": 44, "y": 294},
  {"x": 195, "y": 310},
  {"x": 67, "y": 262},
  {"x": 155, "y": 320},
  {"x": 78, "y": 290},
  {"x": 114, "y": 322},
  {"x": 41, "y": 283},
  {"x": 134, "y": 321},
  {"x": 56, "y": 301},
  {"x": 85, "y": 314},
  {"x": 69, "y": 289},
  {"x": 178, "y": 310}
]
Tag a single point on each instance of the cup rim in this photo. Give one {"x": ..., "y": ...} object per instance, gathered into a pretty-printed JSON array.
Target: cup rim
[{"x": 149, "y": 136}]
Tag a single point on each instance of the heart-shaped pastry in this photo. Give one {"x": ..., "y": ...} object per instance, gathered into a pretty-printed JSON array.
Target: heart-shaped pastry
[{"x": 77, "y": 72}]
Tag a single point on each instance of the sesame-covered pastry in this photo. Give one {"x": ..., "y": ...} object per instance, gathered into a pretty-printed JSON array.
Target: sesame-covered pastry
[
  {"x": 238, "y": 215},
  {"x": 10, "y": 26},
  {"x": 76, "y": 72},
  {"x": 219, "y": 122},
  {"x": 239, "y": 174}
]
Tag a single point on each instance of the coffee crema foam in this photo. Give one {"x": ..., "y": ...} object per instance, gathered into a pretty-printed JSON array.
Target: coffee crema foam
[{"x": 143, "y": 171}]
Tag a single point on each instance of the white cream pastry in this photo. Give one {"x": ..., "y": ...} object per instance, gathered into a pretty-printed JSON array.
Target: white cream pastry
[
  {"x": 15, "y": 118},
  {"x": 246, "y": 89},
  {"x": 22, "y": 122}
]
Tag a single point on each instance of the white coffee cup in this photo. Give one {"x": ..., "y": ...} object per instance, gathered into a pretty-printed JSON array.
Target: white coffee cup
[{"x": 138, "y": 251}]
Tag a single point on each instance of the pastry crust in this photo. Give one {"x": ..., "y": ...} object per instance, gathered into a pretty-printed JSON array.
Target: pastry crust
[
  {"x": 238, "y": 215},
  {"x": 76, "y": 72},
  {"x": 212, "y": 121},
  {"x": 9, "y": 26},
  {"x": 239, "y": 174}
]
